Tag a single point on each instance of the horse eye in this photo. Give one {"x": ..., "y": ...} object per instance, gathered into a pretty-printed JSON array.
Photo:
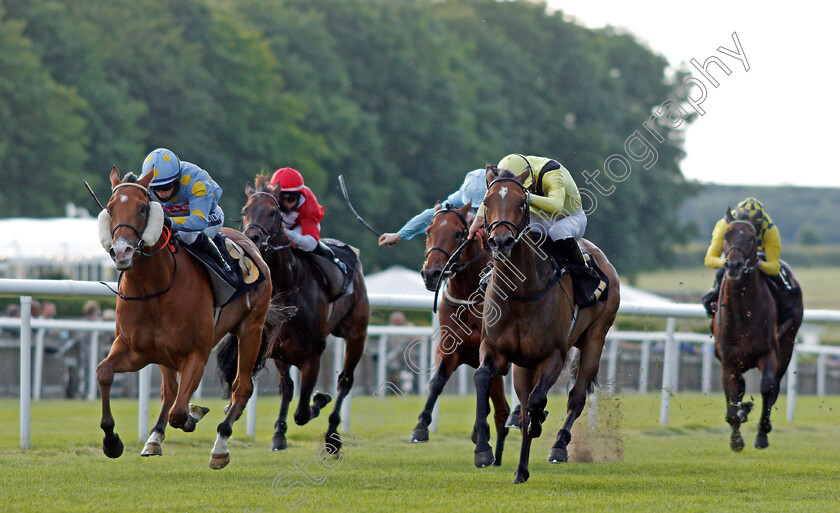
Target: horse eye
[
  {"x": 143, "y": 209},
  {"x": 273, "y": 213}
]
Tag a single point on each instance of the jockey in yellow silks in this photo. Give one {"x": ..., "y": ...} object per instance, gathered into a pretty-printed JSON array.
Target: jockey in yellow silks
[{"x": 769, "y": 250}]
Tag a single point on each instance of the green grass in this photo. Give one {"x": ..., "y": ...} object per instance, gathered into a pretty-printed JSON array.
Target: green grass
[{"x": 686, "y": 466}]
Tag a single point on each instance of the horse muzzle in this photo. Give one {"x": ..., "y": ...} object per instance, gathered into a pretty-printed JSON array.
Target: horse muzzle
[
  {"x": 431, "y": 277},
  {"x": 122, "y": 253},
  {"x": 501, "y": 245},
  {"x": 734, "y": 270}
]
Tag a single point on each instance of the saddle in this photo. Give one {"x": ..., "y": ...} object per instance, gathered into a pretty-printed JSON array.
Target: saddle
[
  {"x": 336, "y": 262},
  {"x": 245, "y": 275},
  {"x": 590, "y": 283}
]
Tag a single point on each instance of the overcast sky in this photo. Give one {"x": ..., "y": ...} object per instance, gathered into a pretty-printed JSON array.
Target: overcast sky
[{"x": 774, "y": 124}]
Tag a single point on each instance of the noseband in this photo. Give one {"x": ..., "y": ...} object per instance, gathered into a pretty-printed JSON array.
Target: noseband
[{"x": 521, "y": 228}]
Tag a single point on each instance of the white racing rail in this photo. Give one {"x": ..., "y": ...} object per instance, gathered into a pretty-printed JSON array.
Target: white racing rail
[{"x": 68, "y": 288}]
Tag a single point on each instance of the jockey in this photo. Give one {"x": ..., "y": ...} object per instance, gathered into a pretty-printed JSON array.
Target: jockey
[
  {"x": 190, "y": 201},
  {"x": 769, "y": 249},
  {"x": 555, "y": 205},
  {"x": 471, "y": 191},
  {"x": 301, "y": 212}
]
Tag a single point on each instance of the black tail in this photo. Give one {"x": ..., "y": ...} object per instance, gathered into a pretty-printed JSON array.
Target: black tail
[{"x": 227, "y": 352}]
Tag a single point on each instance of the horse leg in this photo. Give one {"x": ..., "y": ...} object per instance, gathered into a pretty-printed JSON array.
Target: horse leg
[
  {"x": 501, "y": 410},
  {"x": 308, "y": 376},
  {"x": 483, "y": 375},
  {"x": 769, "y": 393},
  {"x": 287, "y": 389},
  {"x": 733, "y": 388},
  {"x": 547, "y": 372},
  {"x": 249, "y": 340},
  {"x": 590, "y": 359},
  {"x": 448, "y": 364},
  {"x": 168, "y": 389},
  {"x": 119, "y": 359},
  {"x": 354, "y": 347},
  {"x": 524, "y": 381}
]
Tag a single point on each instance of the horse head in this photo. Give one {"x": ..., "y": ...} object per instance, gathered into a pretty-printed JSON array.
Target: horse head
[
  {"x": 130, "y": 220},
  {"x": 261, "y": 215},
  {"x": 740, "y": 245},
  {"x": 447, "y": 231},
  {"x": 507, "y": 212}
]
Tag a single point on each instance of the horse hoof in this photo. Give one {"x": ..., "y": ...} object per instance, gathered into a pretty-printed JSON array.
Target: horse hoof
[
  {"x": 112, "y": 447},
  {"x": 512, "y": 421},
  {"x": 189, "y": 425},
  {"x": 761, "y": 441},
  {"x": 278, "y": 443},
  {"x": 219, "y": 461},
  {"x": 558, "y": 456},
  {"x": 736, "y": 443},
  {"x": 521, "y": 477},
  {"x": 484, "y": 458},
  {"x": 419, "y": 435},
  {"x": 321, "y": 399},
  {"x": 152, "y": 449},
  {"x": 198, "y": 412}
]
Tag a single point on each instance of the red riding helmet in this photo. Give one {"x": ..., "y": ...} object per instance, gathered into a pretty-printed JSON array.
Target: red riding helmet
[{"x": 289, "y": 179}]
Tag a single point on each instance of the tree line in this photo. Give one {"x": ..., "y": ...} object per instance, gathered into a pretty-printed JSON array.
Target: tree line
[{"x": 402, "y": 97}]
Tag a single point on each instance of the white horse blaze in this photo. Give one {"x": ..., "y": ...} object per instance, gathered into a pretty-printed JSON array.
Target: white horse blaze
[
  {"x": 123, "y": 198},
  {"x": 503, "y": 192}
]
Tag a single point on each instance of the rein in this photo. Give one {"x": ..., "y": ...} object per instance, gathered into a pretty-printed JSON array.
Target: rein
[{"x": 748, "y": 256}]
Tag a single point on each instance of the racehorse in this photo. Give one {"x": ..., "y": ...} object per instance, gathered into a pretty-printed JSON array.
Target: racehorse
[
  {"x": 302, "y": 340},
  {"x": 459, "y": 314},
  {"x": 746, "y": 331},
  {"x": 533, "y": 323},
  {"x": 165, "y": 315}
]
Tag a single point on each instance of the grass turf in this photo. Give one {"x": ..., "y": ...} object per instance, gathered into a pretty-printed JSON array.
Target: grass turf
[{"x": 686, "y": 466}]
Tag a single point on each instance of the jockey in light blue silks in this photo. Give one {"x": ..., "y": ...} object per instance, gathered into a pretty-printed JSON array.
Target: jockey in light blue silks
[
  {"x": 471, "y": 191},
  {"x": 190, "y": 201}
]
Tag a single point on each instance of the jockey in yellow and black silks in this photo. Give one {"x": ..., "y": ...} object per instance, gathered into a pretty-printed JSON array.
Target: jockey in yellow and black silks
[{"x": 769, "y": 251}]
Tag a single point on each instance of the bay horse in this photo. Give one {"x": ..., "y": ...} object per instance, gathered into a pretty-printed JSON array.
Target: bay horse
[
  {"x": 302, "y": 340},
  {"x": 459, "y": 314},
  {"x": 746, "y": 332},
  {"x": 532, "y": 324},
  {"x": 165, "y": 316}
]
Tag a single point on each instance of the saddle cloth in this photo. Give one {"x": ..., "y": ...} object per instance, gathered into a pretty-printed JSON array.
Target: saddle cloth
[
  {"x": 245, "y": 275},
  {"x": 338, "y": 279}
]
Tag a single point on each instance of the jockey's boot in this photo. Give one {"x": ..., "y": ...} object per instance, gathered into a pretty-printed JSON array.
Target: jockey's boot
[
  {"x": 570, "y": 249},
  {"x": 203, "y": 243},
  {"x": 325, "y": 251},
  {"x": 710, "y": 299}
]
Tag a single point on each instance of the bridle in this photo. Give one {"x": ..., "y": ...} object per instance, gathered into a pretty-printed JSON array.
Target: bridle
[
  {"x": 139, "y": 247},
  {"x": 521, "y": 228},
  {"x": 748, "y": 255},
  {"x": 272, "y": 231},
  {"x": 463, "y": 233},
  {"x": 451, "y": 268}
]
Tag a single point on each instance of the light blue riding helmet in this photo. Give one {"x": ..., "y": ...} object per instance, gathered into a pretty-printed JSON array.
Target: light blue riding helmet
[
  {"x": 474, "y": 187},
  {"x": 164, "y": 166}
]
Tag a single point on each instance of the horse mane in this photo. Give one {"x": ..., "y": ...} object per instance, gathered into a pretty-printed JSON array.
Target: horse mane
[
  {"x": 262, "y": 183},
  {"x": 130, "y": 177},
  {"x": 505, "y": 173}
]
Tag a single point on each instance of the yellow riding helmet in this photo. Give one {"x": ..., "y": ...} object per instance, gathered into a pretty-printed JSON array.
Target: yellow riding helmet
[
  {"x": 516, "y": 163},
  {"x": 752, "y": 206}
]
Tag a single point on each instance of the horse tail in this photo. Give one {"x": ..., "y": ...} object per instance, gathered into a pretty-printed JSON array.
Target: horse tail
[{"x": 227, "y": 352}]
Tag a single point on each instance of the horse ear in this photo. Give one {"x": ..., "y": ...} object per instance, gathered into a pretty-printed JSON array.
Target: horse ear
[
  {"x": 249, "y": 189},
  {"x": 491, "y": 172},
  {"x": 145, "y": 180},
  {"x": 437, "y": 206},
  {"x": 115, "y": 176},
  {"x": 729, "y": 216},
  {"x": 523, "y": 176},
  {"x": 465, "y": 209}
]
